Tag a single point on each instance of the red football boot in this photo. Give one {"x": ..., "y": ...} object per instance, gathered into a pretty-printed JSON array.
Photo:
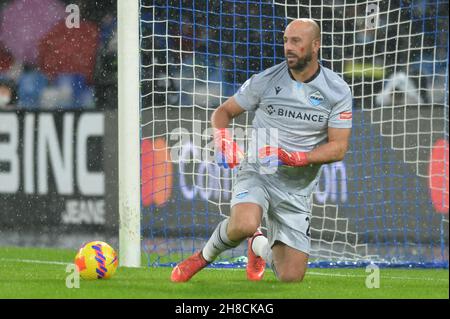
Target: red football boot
[
  {"x": 188, "y": 268},
  {"x": 255, "y": 264}
]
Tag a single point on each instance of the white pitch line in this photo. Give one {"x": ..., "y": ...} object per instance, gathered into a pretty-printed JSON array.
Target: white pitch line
[
  {"x": 355, "y": 276},
  {"x": 381, "y": 276},
  {"x": 45, "y": 262},
  {"x": 31, "y": 261}
]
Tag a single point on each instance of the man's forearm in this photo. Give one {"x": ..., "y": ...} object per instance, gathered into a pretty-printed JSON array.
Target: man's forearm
[
  {"x": 223, "y": 115},
  {"x": 327, "y": 153},
  {"x": 220, "y": 118}
]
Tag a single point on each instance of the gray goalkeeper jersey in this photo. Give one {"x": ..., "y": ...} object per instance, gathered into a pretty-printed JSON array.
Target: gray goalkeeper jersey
[{"x": 299, "y": 113}]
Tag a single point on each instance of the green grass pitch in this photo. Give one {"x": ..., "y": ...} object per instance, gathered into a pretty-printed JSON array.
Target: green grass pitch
[{"x": 41, "y": 273}]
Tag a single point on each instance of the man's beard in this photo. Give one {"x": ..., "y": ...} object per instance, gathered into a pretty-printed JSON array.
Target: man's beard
[{"x": 301, "y": 63}]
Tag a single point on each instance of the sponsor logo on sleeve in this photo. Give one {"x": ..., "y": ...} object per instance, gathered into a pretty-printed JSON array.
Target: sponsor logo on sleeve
[{"x": 345, "y": 116}]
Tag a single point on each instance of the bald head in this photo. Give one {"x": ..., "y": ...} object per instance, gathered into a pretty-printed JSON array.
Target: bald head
[
  {"x": 301, "y": 44},
  {"x": 306, "y": 25}
]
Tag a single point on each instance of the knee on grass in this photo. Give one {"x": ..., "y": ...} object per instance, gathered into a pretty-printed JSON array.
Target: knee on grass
[{"x": 289, "y": 275}]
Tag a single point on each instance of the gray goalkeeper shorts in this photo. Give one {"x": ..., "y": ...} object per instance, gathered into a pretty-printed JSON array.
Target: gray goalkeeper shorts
[{"x": 287, "y": 215}]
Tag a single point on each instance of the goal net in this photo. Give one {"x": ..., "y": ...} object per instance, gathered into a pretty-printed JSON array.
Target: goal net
[{"x": 387, "y": 202}]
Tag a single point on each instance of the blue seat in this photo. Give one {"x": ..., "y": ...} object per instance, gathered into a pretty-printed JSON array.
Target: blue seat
[
  {"x": 77, "y": 84},
  {"x": 30, "y": 87}
]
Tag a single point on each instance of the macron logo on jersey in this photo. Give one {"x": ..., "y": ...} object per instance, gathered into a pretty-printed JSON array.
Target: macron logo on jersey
[{"x": 277, "y": 90}]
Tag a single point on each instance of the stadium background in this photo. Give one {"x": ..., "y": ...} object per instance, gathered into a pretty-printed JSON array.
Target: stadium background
[
  {"x": 64, "y": 83},
  {"x": 63, "y": 204}
]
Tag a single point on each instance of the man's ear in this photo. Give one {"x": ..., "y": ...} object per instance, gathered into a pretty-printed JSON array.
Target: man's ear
[{"x": 316, "y": 45}]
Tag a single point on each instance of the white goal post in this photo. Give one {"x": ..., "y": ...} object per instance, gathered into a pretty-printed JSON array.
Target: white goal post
[{"x": 129, "y": 133}]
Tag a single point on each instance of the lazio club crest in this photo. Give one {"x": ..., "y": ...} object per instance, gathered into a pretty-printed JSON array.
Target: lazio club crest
[{"x": 316, "y": 98}]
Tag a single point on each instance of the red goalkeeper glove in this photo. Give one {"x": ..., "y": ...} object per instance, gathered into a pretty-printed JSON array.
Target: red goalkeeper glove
[
  {"x": 268, "y": 153},
  {"x": 229, "y": 154}
]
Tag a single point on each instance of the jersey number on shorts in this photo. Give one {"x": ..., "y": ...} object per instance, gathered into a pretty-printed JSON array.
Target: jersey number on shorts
[{"x": 308, "y": 231}]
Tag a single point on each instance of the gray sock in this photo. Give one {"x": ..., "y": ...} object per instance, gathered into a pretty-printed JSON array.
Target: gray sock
[{"x": 219, "y": 242}]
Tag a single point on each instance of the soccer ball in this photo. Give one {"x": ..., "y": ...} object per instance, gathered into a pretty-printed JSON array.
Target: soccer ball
[{"x": 96, "y": 260}]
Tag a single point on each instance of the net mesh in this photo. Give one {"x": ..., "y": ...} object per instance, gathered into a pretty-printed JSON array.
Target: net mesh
[{"x": 387, "y": 202}]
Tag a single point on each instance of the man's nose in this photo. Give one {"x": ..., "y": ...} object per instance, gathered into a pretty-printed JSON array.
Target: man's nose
[{"x": 288, "y": 46}]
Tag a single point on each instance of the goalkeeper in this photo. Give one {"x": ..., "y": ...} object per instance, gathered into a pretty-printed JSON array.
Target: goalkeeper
[{"x": 310, "y": 106}]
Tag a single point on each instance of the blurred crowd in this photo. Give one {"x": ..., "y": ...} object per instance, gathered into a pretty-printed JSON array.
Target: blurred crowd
[
  {"x": 46, "y": 65},
  {"x": 49, "y": 61},
  {"x": 213, "y": 54}
]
